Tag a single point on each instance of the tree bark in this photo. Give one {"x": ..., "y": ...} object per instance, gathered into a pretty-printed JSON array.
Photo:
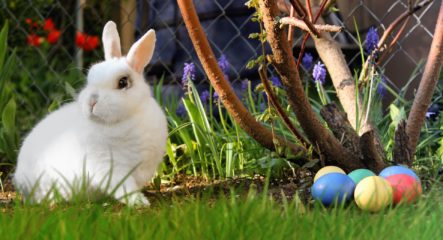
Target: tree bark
[
  {"x": 427, "y": 85},
  {"x": 342, "y": 129},
  {"x": 372, "y": 152},
  {"x": 332, "y": 56},
  {"x": 286, "y": 67},
  {"x": 224, "y": 90},
  {"x": 402, "y": 153}
]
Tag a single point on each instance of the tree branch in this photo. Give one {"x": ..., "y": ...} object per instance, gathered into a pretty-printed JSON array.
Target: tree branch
[
  {"x": 301, "y": 11},
  {"x": 285, "y": 66},
  {"x": 224, "y": 90},
  {"x": 340, "y": 126},
  {"x": 402, "y": 153},
  {"x": 427, "y": 85},
  {"x": 279, "y": 109},
  {"x": 372, "y": 152},
  {"x": 381, "y": 43},
  {"x": 302, "y": 25},
  {"x": 332, "y": 56}
]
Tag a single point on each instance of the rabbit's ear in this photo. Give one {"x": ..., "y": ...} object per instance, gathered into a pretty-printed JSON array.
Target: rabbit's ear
[
  {"x": 111, "y": 41},
  {"x": 141, "y": 51}
]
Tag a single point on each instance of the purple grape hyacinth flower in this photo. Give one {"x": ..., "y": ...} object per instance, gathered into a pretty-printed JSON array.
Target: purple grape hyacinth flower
[
  {"x": 306, "y": 61},
  {"x": 204, "y": 96},
  {"x": 188, "y": 73},
  {"x": 319, "y": 73},
  {"x": 224, "y": 64},
  {"x": 263, "y": 107},
  {"x": 215, "y": 96},
  {"x": 181, "y": 110},
  {"x": 372, "y": 39},
  {"x": 433, "y": 112},
  {"x": 276, "y": 81}
]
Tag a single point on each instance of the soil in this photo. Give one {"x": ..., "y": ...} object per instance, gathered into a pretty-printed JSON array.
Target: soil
[{"x": 190, "y": 187}]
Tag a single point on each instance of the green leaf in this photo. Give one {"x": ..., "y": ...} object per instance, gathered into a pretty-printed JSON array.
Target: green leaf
[
  {"x": 70, "y": 90},
  {"x": 8, "y": 117},
  {"x": 54, "y": 105},
  {"x": 396, "y": 113},
  {"x": 8, "y": 69},
  {"x": 3, "y": 44}
]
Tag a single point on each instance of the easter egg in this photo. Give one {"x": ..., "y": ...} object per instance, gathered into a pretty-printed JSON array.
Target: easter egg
[
  {"x": 404, "y": 188},
  {"x": 359, "y": 174},
  {"x": 333, "y": 188},
  {"x": 326, "y": 170},
  {"x": 373, "y": 194},
  {"x": 397, "y": 170}
]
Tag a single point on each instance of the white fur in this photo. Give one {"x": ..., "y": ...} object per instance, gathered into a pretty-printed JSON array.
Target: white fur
[{"x": 123, "y": 133}]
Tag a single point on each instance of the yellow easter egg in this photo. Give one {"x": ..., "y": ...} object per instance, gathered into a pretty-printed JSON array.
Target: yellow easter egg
[
  {"x": 373, "y": 194},
  {"x": 326, "y": 170}
]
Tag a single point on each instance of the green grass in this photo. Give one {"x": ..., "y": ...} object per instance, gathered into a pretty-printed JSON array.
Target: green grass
[{"x": 253, "y": 217}]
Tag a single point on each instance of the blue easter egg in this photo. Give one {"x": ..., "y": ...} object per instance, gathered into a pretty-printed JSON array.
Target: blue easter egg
[
  {"x": 333, "y": 187},
  {"x": 392, "y": 170}
]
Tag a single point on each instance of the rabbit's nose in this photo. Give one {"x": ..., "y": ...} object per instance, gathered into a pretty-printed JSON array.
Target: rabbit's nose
[{"x": 93, "y": 100}]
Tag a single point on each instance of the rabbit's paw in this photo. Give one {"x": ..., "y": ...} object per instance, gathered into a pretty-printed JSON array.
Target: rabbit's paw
[{"x": 136, "y": 200}]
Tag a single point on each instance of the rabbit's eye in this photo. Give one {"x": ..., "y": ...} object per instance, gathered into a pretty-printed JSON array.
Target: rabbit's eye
[{"x": 123, "y": 83}]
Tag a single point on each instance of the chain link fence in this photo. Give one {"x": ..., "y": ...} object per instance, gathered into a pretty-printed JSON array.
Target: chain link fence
[{"x": 227, "y": 24}]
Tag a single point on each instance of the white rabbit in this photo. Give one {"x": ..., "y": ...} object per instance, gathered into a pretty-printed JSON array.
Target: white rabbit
[{"x": 114, "y": 134}]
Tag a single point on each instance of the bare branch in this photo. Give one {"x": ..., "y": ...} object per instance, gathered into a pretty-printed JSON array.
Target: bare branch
[
  {"x": 381, "y": 43},
  {"x": 307, "y": 35},
  {"x": 291, "y": 28},
  {"x": 301, "y": 11},
  {"x": 332, "y": 56},
  {"x": 427, "y": 86},
  {"x": 285, "y": 66},
  {"x": 278, "y": 108},
  {"x": 302, "y": 25}
]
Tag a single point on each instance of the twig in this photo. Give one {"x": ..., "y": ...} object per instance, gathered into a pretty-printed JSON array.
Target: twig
[
  {"x": 278, "y": 108},
  {"x": 291, "y": 28},
  {"x": 301, "y": 11},
  {"x": 307, "y": 35},
  {"x": 226, "y": 94},
  {"x": 302, "y": 25},
  {"x": 387, "y": 32},
  {"x": 394, "y": 40},
  {"x": 427, "y": 85},
  {"x": 309, "y": 8}
]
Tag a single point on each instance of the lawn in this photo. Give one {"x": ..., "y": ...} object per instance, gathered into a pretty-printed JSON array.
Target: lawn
[{"x": 250, "y": 216}]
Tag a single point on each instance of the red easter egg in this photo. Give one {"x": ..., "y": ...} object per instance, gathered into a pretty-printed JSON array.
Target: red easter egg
[{"x": 404, "y": 188}]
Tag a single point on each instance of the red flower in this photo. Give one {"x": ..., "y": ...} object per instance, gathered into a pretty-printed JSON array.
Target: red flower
[
  {"x": 86, "y": 42},
  {"x": 34, "y": 40},
  {"x": 28, "y": 21},
  {"x": 79, "y": 39},
  {"x": 49, "y": 25},
  {"x": 91, "y": 43},
  {"x": 53, "y": 36}
]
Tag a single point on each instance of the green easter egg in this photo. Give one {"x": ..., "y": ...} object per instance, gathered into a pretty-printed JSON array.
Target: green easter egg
[{"x": 359, "y": 174}]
